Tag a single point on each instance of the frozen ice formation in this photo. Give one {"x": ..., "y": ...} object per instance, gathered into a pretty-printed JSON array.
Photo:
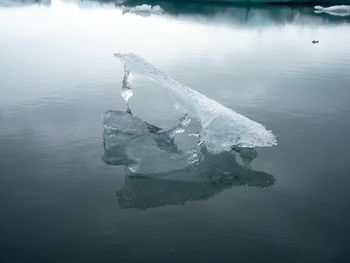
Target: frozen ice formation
[
  {"x": 336, "y": 10},
  {"x": 149, "y": 151},
  {"x": 126, "y": 92},
  {"x": 144, "y": 148},
  {"x": 158, "y": 173},
  {"x": 144, "y": 10},
  {"x": 222, "y": 128}
]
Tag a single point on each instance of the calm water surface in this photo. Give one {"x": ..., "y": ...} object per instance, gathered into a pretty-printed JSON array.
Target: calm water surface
[{"x": 60, "y": 202}]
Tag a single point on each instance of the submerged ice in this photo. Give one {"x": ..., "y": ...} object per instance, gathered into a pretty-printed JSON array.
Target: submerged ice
[
  {"x": 144, "y": 148},
  {"x": 222, "y": 128}
]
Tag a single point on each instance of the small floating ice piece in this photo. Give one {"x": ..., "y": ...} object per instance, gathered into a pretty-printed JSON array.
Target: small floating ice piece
[
  {"x": 222, "y": 128},
  {"x": 144, "y": 10},
  {"x": 17, "y": 3},
  {"x": 336, "y": 10}
]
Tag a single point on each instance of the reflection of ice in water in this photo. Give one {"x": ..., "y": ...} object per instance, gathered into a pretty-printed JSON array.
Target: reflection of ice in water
[
  {"x": 336, "y": 10},
  {"x": 222, "y": 128},
  {"x": 142, "y": 193}
]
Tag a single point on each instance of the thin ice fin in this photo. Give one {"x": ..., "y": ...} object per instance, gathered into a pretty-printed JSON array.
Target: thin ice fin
[
  {"x": 126, "y": 91},
  {"x": 222, "y": 127}
]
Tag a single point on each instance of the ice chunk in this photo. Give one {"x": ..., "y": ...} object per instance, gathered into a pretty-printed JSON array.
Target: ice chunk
[
  {"x": 144, "y": 10},
  {"x": 222, "y": 128},
  {"x": 336, "y": 10},
  {"x": 146, "y": 149}
]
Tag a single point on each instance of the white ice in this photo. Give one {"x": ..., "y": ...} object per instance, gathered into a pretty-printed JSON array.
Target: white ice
[
  {"x": 222, "y": 128},
  {"x": 336, "y": 10}
]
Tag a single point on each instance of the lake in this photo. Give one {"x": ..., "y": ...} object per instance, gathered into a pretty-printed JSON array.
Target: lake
[{"x": 65, "y": 198}]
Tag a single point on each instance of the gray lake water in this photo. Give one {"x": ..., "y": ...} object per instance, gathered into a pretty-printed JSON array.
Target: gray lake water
[{"x": 61, "y": 202}]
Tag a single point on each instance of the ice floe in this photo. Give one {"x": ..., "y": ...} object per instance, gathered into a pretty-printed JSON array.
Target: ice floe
[
  {"x": 336, "y": 10},
  {"x": 144, "y": 10}
]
